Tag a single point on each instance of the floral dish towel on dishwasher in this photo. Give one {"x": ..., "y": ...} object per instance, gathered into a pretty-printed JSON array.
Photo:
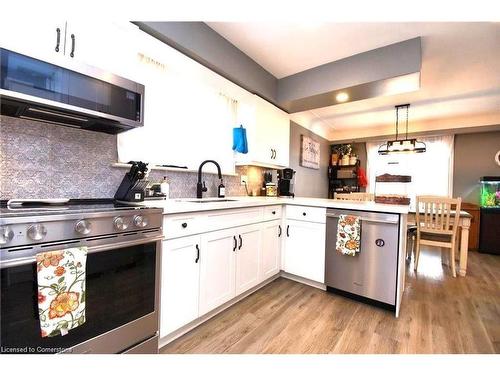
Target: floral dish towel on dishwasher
[
  {"x": 348, "y": 235},
  {"x": 61, "y": 290}
]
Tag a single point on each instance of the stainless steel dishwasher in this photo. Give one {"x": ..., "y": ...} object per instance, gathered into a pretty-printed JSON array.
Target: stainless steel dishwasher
[{"x": 372, "y": 273}]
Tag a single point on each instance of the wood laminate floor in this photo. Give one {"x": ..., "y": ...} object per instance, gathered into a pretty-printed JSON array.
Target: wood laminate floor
[{"x": 439, "y": 314}]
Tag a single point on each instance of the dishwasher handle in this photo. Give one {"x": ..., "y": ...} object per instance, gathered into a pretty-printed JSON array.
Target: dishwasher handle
[{"x": 370, "y": 219}]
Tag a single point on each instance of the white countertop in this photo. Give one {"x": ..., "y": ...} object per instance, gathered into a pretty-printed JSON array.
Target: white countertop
[{"x": 175, "y": 206}]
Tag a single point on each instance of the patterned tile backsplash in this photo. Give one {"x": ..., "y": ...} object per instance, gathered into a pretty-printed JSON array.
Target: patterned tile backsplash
[{"x": 39, "y": 160}]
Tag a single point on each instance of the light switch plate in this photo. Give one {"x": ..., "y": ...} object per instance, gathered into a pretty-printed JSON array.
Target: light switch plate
[{"x": 243, "y": 179}]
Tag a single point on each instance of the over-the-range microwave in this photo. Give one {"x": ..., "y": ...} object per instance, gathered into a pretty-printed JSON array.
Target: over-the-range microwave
[{"x": 87, "y": 98}]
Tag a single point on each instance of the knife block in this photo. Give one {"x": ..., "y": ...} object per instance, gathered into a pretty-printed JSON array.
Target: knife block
[{"x": 130, "y": 190}]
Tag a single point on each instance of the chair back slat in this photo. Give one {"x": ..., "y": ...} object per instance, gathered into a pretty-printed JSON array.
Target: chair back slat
[{"x": 438, "y": 213}]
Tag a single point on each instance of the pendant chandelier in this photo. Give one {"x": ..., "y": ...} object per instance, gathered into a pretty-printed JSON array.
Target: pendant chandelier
[{"x": 405, "y": 145}]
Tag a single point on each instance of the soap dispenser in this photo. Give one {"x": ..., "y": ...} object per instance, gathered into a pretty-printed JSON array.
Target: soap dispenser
[
  {"x": 221, "y": 191},
  {"x": 165, "y": 188}
]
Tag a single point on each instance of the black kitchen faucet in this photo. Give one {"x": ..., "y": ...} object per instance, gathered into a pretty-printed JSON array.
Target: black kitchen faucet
[{"x": 200, "y": 188}]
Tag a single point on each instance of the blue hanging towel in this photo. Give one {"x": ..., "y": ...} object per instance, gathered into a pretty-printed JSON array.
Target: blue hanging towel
[{"x": 240, "y": 140}]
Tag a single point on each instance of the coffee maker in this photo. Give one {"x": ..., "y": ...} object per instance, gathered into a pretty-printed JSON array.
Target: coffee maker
[{"x": 286, "y": 182}]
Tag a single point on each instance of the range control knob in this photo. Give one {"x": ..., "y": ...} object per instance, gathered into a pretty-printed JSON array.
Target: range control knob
[
  {"x": 6, "y": 235},
  {"x": 140, "y": 221},
  {"x": 83, "y": 226},
  {"x": 120, "y": 223},
  {"x": 37, "y": 232}
]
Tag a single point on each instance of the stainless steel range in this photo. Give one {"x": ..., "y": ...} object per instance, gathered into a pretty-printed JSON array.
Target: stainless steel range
[{"x": 122, "y": 280}]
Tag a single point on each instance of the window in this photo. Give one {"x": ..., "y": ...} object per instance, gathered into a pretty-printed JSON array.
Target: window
[{"x": 431, "y": 171}]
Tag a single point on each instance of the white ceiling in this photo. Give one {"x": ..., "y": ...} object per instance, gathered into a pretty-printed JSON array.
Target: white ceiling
[{"x": 460, "y": 76}]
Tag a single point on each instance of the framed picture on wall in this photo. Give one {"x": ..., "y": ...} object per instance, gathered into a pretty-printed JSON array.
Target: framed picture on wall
[{"x": 309, "y": 152}]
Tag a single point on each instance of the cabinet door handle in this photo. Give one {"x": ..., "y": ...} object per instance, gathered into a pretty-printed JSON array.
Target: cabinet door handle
[
  {"x": 279, "y": 230},
  {"x": 288, "y": 230},
  {"x": 58, "y": 38},
  {"x": 72, "y": 53},
  {"x": 272, "y": 153},
  {"x": 235, "y": 243},
  {"x": 197, "y": 254},
  {"x": 275, "y": 154},
  {"x": 241, "y": 242},
  {"x": 274, "y": 212},
  {"x": 304, "y": 214},
  {"x": 184, "y": 225}
]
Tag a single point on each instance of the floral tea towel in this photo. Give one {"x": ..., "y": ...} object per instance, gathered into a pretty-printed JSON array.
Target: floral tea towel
[
  {"x": 348, "y": 235},
  {"x": 61, "y": 290}
]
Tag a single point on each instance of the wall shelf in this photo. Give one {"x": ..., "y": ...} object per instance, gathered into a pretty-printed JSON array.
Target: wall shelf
[
  {"x": 345, "y": 166},
  {"x": 170, "y": 169}
]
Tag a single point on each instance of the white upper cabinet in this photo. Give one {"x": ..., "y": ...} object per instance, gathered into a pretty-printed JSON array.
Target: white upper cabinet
[
  {"x": 110, "y": 46},
  {"x": 185, "y": 118},
  {"x": 43, "y": 39},
  {"x": 268, "y": 134}
]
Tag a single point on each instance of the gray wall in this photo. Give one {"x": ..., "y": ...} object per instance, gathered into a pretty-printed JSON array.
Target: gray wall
[
  {"x": 198, "y": 41},
  {"x": 474, "y": 158},
  {"x": 309, "y": 182},
  {"x": 386, "y": 62}
]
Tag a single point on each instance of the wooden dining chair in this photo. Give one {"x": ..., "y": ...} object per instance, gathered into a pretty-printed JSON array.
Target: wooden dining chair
[
  {"x": 359, "y": 197},
  {"x": 437, "y": 224}
]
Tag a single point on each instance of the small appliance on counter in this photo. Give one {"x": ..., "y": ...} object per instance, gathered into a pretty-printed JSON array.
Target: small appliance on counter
[
  {"x": 157, "y": 190},
  {"x": 489, "y": 236},
  {"x": 269, "y": 184},
  {"x": 271, "y": 190},
  {"x": 133, "y": 185},
  {"x": 286, "y": 183}
]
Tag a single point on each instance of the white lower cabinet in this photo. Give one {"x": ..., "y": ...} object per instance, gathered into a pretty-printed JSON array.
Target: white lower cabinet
[
  {"x": 202, "y": 272},
  {"x": 305, "y": 250},
  {"x": 248, "y": 257},
  {"x": 180, "y": 279},
  {"x": 271, "y": 248},
  {"x": 217, "y": 265}
]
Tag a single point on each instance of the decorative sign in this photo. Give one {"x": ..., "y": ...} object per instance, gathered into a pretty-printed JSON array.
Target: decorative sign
[{"x": 309, "y": 152}]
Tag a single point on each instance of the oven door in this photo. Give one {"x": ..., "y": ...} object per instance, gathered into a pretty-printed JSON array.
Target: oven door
[{"x": 121, "y": 299}]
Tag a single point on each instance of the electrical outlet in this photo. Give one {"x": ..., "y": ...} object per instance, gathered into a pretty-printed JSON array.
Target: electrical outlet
[{"x": 243, "y": 179}]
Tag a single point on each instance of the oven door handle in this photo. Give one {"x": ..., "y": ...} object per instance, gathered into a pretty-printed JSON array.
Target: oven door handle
[{"x": 90, "y": 250}]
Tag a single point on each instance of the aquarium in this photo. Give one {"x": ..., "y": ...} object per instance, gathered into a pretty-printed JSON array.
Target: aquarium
[{"x": 490, "y": 191}]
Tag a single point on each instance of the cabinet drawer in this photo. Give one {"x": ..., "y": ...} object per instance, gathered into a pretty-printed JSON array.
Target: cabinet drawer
[
  {"x": 272, "y": 212},
  {"x": 182, "y": 225},
  {"x": 304, "y": 213},
  {"x": 232, "y": 218}
]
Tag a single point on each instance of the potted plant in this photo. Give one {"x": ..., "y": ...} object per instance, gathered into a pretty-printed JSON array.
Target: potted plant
[{"x": 345, "y": 150}]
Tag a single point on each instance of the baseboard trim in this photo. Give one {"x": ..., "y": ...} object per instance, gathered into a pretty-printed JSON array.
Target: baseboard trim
[{"x": 303, "y": 280}]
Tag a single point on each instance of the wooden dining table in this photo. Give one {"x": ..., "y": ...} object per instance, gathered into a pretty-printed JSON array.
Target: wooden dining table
[{"x": 464, "y": 222}]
